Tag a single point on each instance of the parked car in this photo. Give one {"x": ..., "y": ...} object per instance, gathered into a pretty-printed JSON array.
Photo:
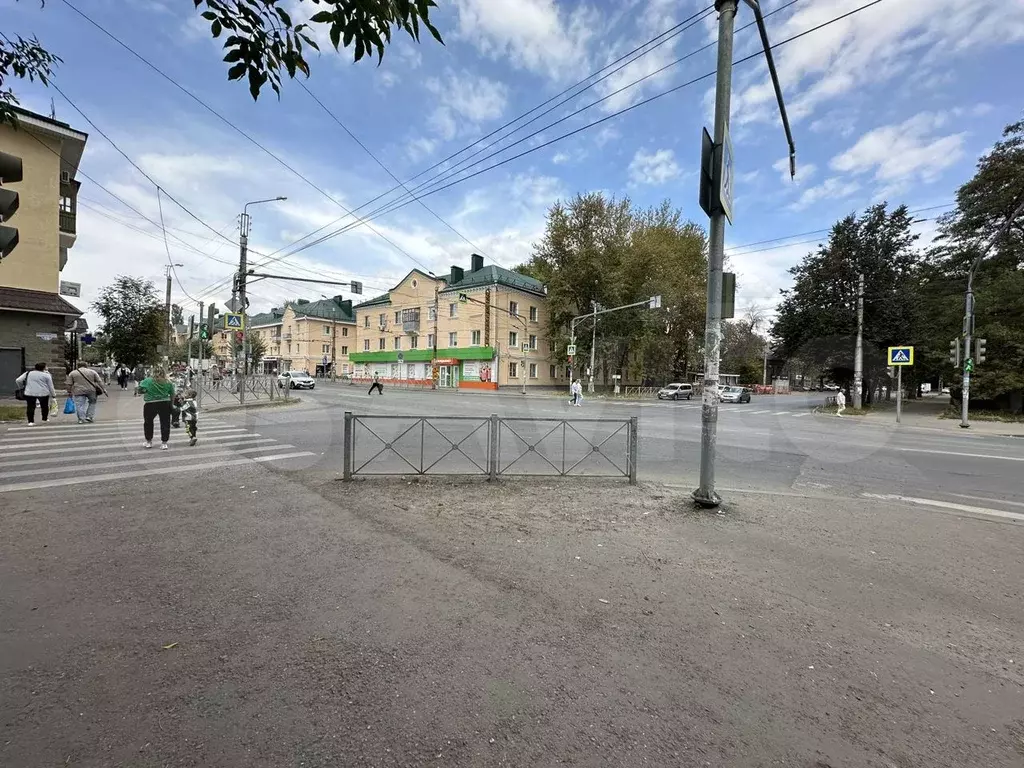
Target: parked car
[
  {"x": 295, "y": 380},
  {"x": 676, "y": 392},
  {"x": 735, "y": 395},
  {"x": 831, "y": 387}
]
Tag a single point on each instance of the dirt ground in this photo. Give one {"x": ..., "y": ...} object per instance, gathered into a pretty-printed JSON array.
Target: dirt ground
[{"x": 531, "y": 623}]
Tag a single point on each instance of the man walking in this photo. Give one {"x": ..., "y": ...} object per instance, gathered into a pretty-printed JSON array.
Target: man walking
[
  {"x": 376, "y": 385},
  {"x": 840, "y": 403},
  {"x": 85, "y": 386},
  {"x": 577, "y": 393}
]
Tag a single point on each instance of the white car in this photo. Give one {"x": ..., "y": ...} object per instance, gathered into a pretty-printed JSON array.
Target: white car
[
  {"x": 676, "y": 392},
  {"x": 295, "y": 380}
]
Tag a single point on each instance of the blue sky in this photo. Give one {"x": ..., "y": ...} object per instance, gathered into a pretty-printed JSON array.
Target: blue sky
[{"x": 897, "y": 103}]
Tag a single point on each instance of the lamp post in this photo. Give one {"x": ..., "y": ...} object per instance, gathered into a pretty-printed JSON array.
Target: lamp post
[
  {"x": 238, "y": 294},
  {"x": 168, "y": 271}
]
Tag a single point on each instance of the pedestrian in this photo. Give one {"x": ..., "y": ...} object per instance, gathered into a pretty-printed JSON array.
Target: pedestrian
[
  {"x": 190, "y": 415},
  {"x": 37, "y": 386},
  {"x": 376, "y": 385},
  {"x": 85, "y": 386},
  {"x": 577, "y": 393},
  {"x": 122, "y": 377},
  {"x": 217, "y": 376},
  {"x": 138, "y": 374},
  {"x": 840, "y": 403},
  {"x": 158, "y": 392}
]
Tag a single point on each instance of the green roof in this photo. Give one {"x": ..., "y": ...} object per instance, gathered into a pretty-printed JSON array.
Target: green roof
[
  {"x": 264, "y": 318},
  {"x": 377, "y": 301},
  {"x": 493, "y": 274},
  {"x": 324, "y": 309}
]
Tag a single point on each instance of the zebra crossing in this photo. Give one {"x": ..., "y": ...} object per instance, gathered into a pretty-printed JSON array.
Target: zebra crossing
[
  {"x": 50, "y": 455},
  {"x": 741, "y": 408}
]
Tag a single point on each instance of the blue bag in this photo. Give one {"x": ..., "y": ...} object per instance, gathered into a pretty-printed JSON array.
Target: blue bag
[{"x": 69, "y": 405}]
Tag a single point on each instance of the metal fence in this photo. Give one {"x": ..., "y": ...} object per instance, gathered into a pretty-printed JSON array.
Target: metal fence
[
  {"x": 230, "y": 388},
  {"x": 490, "y": 445}
]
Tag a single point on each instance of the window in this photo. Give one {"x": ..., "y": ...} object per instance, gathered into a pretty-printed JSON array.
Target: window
[
  {"x": 453, "y": 339},
  {"x": 513, "y": 370},
  {"x": 474, "y": 338},
  {"x": 430, "y": 340},
  {"x": 533, "y": 370},
  {"x": 366, "y": 345},
  {"x": 453, "y": 310},
  {"x": 410, "y": 371},
  {"x": 551, "y": 347},
  {"x": 344, "y": 330},
  {"x": 383, "y": 318},
  {"x": 327, "y": 330},
  {"x": 366, "y": 323},
  {"x": 533, "y": 314},
  {"x": 432, "y": 313},
  {"x": 533, "y": 341},
  {"x": 552, "y": 372},
  {"x": 398, "y": 342},
  {"x": 325, "y": 348},
  {"x": 382, "y": 343},
  {"x": 344, "y": 351},
  {"x": 398, "y": 315},
  {"x": 513, "y": 339},
  {"x": 414, "y": 342},
  {"x": 513, "y": 308},
  {"x": 414, "y": 283}
]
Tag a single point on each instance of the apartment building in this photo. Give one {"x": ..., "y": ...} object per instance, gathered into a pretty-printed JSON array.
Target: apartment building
[
  {"x": 483, "y": 328},
  {"x": 314, "y": 336},
  {"x": 33, "y": 314}
]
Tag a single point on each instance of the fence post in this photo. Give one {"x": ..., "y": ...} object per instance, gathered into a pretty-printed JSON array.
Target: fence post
[
  {"x": 492, "y": 448},
  {"x": 633, "y": 448},
  {"x": 349, "y": 447}
]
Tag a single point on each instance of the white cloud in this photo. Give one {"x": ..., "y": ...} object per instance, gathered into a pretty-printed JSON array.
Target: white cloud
[
  {"x": 653, "y": 167},
  {"x": 872, "y": 47},
  {"x": 907, "y": 152},
  {"x": 833, "y": 188},
  {"x": 534, "y": 35},
  {"x": 419, "y": 148},
  {"x": 465, "y": 100},
  {"x": 537, "y": 191},
  {"x": 804, "y": 171}
]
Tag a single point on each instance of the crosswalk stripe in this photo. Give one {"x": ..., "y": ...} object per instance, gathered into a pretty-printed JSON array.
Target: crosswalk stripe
[
  {"x": 59, "y": 457},
  {"x": 781, "y": 413},
  {"x": 64, "y": 429},
  {"x": 114, "y": 476},
  {"x": 754, "y": 413},
  {"x": 801, "y": 415},
  {"x": 50, "y": 426},
  {"x": 122, "y": 444},
  {"x": 91, "y": 436},
  {"x": 134, "y": 462}
]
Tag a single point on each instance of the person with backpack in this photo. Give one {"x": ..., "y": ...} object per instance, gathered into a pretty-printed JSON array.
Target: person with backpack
[
  {"x": 85, "y": 386},
  {"x": 36, "y": 386}
]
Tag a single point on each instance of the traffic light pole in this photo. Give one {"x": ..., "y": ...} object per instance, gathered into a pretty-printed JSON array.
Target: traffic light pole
[
  {"x": 243, "y": 248},
  {"x": 199, "y": 373}
]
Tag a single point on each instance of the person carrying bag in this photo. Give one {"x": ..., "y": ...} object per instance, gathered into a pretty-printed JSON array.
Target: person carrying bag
[
  {"x": 85, "y": 387},
  {"x": 35, "y": 386}
]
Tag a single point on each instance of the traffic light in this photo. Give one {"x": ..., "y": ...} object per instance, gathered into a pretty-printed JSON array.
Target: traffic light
[
  {"x": 204, "y": 332},
  {"x": 10, "y": 172},
  {"x": 979, "y": 350},
  {"x": 954, "y": 353}
]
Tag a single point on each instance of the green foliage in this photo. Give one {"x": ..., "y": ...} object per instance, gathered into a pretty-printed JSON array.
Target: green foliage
[
  {"x": 817, "y": 319},
  {"x": 179, "y": 352},
  {"x": 25, "y": 59},
  {"x": 605, "y": 250},
  {"x": 742, "y": 350},
  {"x": 263, "y": 41},
  {"x": 257, "y": 349},
  {"x": 133, "y": 320},
  {"x": 177, "y": 315}
]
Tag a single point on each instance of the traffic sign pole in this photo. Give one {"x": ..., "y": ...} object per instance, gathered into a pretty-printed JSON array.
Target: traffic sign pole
[{"x": 899, "y": 394}]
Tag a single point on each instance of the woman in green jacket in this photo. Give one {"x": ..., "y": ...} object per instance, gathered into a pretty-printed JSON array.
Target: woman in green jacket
[{"x": 158, "y": 391}]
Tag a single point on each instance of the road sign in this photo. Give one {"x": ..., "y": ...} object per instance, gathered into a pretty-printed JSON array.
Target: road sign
[
  {"x": 70, "y": 289},
  {"x": 463, "y": 298},
  {"x": 234, "y": 321},
  {"x": 572, "y": 350},
  {"x": 724, "y": 176},
  {"x": 401, "y": 357},
  {"x": 901, "y": 356}
]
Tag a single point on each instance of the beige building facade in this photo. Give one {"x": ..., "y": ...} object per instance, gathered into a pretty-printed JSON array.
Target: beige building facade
[
  {"x": 313, "y": 336},
  {"x": 33, "y": 315},
  {"x": 481, "y": 328}
]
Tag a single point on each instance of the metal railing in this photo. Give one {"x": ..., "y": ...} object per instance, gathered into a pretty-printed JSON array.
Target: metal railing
[
  {"x": 67, "y": 221},
  {"x": 636, "y": 392},
  {"x": 228, "y": 388},
  {"x": 490, "y": 445}
]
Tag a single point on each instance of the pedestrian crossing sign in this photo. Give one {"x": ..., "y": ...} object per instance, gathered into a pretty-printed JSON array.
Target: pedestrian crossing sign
[
  {"x": 234, "y": 322},
  {"x": 901, "y": 355}
]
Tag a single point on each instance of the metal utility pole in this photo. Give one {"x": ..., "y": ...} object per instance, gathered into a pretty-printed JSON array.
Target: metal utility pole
[
  {"x": 433, "y": 353},
  {"x": 858, "y": 350},
  {"x": 967, "y": 360},
  {"x": 654, "y": 302},
  {"x": 199, "y": 372},
  {"x": 191, "y": 330},
  {"x": 719, "y": 208},
  {"x": 593, "y": 348}
]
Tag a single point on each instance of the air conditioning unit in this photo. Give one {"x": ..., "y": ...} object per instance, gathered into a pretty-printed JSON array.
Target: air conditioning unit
[
  {"x": 65, "y": 177},
  {"x": 382, "y": 327}
]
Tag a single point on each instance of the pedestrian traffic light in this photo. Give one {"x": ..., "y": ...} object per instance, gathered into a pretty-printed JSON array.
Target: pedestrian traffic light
[
  {"x": 204, "y": 332},
  {"x": 969, "y": 366},
  {"x": 10, "y": 172},
  {"x": 979, "y": 350},
  {"x": 954, "y": 353}
]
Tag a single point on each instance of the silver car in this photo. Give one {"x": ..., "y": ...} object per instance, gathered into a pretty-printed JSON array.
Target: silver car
[
  {"x": 734, "y": 395},
  {"x": 676, "y": 392}
]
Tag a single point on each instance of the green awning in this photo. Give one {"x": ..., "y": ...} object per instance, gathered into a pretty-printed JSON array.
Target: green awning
[{"x": 423, "y": 355}]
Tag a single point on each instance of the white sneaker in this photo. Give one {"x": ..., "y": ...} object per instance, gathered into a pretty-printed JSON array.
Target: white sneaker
[
  {"x": 147, "y": 444},
  {"x": 163, "y": 446},
  {"x": 31, "y": 423}
]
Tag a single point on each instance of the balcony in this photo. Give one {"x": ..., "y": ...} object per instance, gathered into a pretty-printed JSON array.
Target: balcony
[
  {"x": 68, "y": 223},
  {"x": 411, "y": 321},
  {"x": 67, "y": 216}
]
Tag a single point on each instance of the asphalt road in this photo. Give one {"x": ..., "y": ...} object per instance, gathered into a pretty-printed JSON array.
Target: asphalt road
[{"x": 775, "y": 443}]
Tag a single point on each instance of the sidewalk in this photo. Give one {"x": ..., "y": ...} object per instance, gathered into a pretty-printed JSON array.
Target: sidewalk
[
  {"x": 925, "y": 413},
  {"x": 388, "y": 624}
]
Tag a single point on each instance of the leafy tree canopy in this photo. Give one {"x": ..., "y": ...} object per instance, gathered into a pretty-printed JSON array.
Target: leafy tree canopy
[{"x": 133, "y": 320}]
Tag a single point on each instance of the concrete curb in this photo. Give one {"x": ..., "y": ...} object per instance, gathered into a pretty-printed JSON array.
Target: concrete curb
[{"x": 257, "y": 404}]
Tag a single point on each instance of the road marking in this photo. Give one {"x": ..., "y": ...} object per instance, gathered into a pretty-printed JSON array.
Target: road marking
[
  {"x": 991, "y": 501},
  {"x": 965, "y": 455},
  {"x": 754, "y": 413},
  {"x": 801, "y": 415},
  {"x": 162, "y": 457},
  {"x": 946, "y": 505},
  {"x": 42, "y": 442},
  {"x": 147, "y": 472},
  {"x": 59, "y": 456},
  {"x": 86, "y": 434},
  {"x": 120, "y": 444},
  {"x": 51, "y": 427},
  {"x": 781, "y": 413}
]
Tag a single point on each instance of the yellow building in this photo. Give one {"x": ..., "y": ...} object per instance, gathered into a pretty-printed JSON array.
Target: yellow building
[
  {"x": 481, "y": 329},
  {"x": 33, "y": 315},
  {"x": 313, "y": 336}
]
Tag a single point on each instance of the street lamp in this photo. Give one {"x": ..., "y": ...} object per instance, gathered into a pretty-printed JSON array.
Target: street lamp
[
  {"x": 168, "y": 270},
  {"x": 238, "y": 299}
]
